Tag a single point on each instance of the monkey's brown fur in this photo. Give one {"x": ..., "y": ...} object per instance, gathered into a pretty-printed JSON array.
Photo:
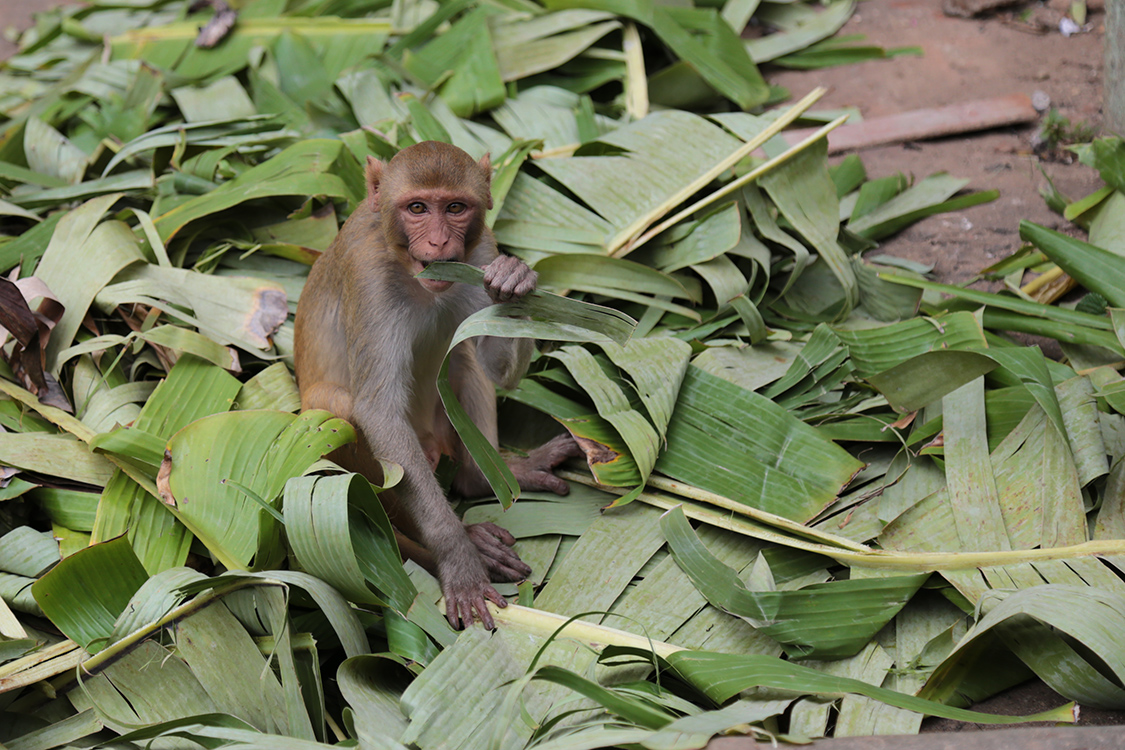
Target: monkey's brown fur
[{"x": 370, "y": 339}]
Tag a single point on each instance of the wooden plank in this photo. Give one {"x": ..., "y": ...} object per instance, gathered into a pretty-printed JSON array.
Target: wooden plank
[
  {"x": 1114, "y": 77},
  {"x": 920, "y": 124}
]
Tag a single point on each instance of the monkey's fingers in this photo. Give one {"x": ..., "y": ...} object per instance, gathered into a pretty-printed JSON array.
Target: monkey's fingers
[
  {"x": 498, "y": 532},
  {"x": 453, "y": 613},
  {"x": 494, "y": 596},
  {"x": 524, "y": 284},
  {"x": 494, "y": 543},
  {"x": 548, "y": 481},
  {"x": 462, "y": 608},
  {"x": 533, "y": 478},
  {"x": 481, "y": 609},
  {"x": 505, "y": 565},
  {"x": 555, "y": 451},
  {"x": 506, "y": 290},
  {"x": 499, "y": 269},
  {"x": 508, "y": 278}
]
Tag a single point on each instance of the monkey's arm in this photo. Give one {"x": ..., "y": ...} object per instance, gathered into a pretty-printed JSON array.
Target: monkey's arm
[
  {"x": 504, "y": 360},
  {"x": 382, "y": 404}
]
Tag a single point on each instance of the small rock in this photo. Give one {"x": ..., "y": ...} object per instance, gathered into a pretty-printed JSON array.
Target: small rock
[
  {"x": 1041, "y": 101},
  {"x": 970, "y": 8},
  {"x": 1067, "y": 27}
]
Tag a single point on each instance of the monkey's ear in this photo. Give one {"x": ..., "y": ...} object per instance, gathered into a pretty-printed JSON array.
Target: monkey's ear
[
  {"x": 374, "y": 173},
  {"x": 486, "y": 165}
]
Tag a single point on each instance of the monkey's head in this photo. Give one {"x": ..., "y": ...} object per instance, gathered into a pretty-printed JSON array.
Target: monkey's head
[{"x": 431, "y": 199}]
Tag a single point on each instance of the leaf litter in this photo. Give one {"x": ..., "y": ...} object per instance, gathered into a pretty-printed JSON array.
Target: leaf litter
[{"x": 830, "y": 476}]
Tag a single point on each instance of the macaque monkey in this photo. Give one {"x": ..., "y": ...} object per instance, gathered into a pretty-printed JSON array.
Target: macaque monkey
[{"x": 370, "y": 340}]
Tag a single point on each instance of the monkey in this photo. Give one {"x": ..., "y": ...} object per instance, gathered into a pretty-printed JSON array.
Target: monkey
[{"x": 370, "y": 340}]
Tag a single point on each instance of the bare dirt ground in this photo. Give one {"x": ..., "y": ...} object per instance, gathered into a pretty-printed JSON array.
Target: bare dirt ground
[
  {"x": 17, "y": 15},
  {"x": 964, "y": 59}
]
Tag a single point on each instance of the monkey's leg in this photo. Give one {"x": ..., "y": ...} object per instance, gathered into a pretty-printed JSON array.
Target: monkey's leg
[
  {"x": 328, "y": 396},
  {"x": 535, "y": 471},
  {"x": 357, "y": 457},
  {"x": 478, "y": 397}
]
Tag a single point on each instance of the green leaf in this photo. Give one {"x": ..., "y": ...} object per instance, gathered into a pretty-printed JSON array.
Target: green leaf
[
  {"x": 1030, "y": 623},
  {"x": 49, "y": 152},
  {"x": 76, "y": 236},
  {"x": 525, "y": 47},
  {"x": 227, "y": 131},
  {"x": 925, "y": 378},
  {"x": 876, "y": 350},
  {"x": 465, "y": 54},
  {"x": 27, "y": 552},
  {"x": 627, "y": 707},
  {"x": 799, "y": 26},
  {"x": 721, "y": 676},
  {"x": 340, "y": 533},
  {"x": 581, "y": 272},
  {"x": 301, "y": 169},
  {"x": 697, "y": 35},
  {"x": 260, "y": 450},
  {"x": 237, "y": 310},
  {"x": 1095, "y": 268},
  {"x": 824, "y": 620},
  {"x": 54, "y": 455},
  {"x": 743, "y": 446},
  {"x": 805, "y": 195},
  {"x": 369, "y": 687},
  {"x": 85, "y": 593},
  {"x": 613, "y": 405}
]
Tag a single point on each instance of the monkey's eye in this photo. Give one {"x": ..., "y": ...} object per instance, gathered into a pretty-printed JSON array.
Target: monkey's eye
[
  {"x": 455, "y": 208},
  {"x": 417, "y": 207}
]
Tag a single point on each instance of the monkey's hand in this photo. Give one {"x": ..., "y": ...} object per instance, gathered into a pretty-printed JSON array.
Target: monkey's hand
[
  {"x": 508, "y": 278},
  {"x": 534, "y": 471},
  {"x": 494, "y": 544},
  {"x": 465, "y": 591}
]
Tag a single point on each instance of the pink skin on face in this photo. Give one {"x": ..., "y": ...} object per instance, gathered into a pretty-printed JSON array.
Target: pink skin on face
[{"x": 435, "y": 223}]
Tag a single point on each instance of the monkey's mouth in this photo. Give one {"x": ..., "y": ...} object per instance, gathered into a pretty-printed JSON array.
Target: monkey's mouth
[{"x": 433, "y": 285}]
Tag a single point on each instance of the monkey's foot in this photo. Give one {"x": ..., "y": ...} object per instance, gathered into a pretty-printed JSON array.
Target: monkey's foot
[
  {"x": 494, "y": 544},
  {"x": 534, "y": 472},
  {"x": 464, "y": 602}
]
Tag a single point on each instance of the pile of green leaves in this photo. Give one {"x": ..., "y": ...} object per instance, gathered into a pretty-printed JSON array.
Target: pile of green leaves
[{"x": 823, "y": 494}]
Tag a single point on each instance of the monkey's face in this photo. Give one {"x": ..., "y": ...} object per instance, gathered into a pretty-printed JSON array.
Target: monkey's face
[{"x": 438, "y": 225}]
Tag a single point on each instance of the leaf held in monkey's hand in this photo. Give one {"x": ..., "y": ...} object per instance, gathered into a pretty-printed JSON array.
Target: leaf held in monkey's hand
[
  {"x": 551, "y": 317},
  {"x": 539, "y": 315}
]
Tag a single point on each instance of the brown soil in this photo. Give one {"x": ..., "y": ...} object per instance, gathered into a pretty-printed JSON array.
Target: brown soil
[
  {"x": 963, "y": 59},
  {"x": 16, "y": 15},
  {"x": 966, "y": 59}
]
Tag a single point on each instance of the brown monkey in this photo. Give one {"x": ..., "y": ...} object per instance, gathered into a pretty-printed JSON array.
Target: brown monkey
[{"x": 370, "y": 340}]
